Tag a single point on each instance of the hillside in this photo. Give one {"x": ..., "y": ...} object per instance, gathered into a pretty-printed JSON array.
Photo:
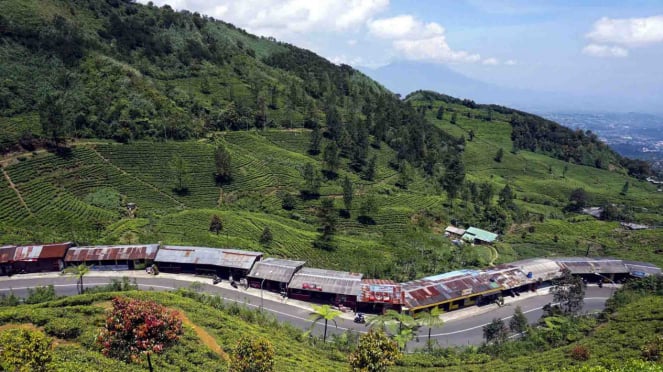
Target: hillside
[
  {"x": 135, "y": 103},
  {"x": 212, "y": 329}
]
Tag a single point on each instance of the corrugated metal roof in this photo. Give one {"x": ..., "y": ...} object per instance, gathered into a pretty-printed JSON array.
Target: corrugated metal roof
[
  {"x": 455, "y": 230},
  {"x": 541, "y": 268},
  {"x": 507, "y": 276},
  {"x": 641, "y": 269},
  {"x": 422, "y": 293},
  {"x": 112, "y": 253},
  {"x": 36, "y": 252},
  {"x": 476, "y": 233},
  {"x": 328, "y": 281},
  {"x": 276, "y": 269},
  {"x": 7, "y": 253},
  {"x": 587, "y": 265},
  {"x": 208, "y": 256},
  {"x": 380, "y": 291}
]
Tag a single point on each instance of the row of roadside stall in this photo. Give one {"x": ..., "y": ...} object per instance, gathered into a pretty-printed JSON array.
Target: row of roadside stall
[{"x": 447, "y": 291}]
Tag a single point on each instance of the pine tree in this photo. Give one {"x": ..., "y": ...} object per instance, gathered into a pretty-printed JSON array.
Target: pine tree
[
  {"x": 440, "y": 113},
  {"x": 499, "y": 155},
  {"x": 369, "y": 173},
  {"x": 316, "y": 139},
  {"x": 347, "y": 194},
  {"x": 330, "y": 157},
  {"x": 454, "y": 118}
]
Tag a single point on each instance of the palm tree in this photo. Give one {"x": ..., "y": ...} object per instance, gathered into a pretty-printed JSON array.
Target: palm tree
[
  {"x": 430, "y": 319},
  {"x": 403, "y": 336},
  {"x": 404, "y": 320},
  {"x": 79, "y": 272},
  {"x": 324, "y": 312}
]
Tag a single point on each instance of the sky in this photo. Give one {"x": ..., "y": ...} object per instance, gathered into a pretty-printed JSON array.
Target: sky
[{"x": 608, "y": 52}]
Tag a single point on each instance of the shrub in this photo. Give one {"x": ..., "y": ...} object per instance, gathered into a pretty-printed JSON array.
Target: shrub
[
  {"x": 579, "y": 353},
  {"x": 66, "y": 328},
  {"x": 252, "y": 355}
]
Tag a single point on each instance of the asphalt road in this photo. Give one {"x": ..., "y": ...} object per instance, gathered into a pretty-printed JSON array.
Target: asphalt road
[{"x": 466, "y": 331}]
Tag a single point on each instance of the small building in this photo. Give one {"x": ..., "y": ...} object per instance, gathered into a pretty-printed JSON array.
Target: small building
[
  {"x": 378, "y": 295},
  {"x": 206, "y": 261},
  {"x": 595, "y": 269},
  {"x": 6, "y": 259},
  {"x": 326, "y": 286},
  {"x": 450, "y": 291},
  {"x": 478, "y": 236},
  {"x": 454, "y": 232},
  {"x": 38, "y": 258},
  {"x": 273, "y": 274},
  {"x": 118, "y": 257}
]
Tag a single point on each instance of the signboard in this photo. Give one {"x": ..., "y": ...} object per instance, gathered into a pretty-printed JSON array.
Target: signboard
[
  {"x": 376, "y": 293},
  {"x": 312, "y": 286},
  {"x": 466, "y": 292}
]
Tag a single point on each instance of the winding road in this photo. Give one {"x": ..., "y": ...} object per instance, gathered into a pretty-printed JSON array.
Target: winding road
[{"x": 462, "y": 330}]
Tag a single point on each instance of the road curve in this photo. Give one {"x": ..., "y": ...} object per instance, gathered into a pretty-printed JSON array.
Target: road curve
[{"x": 462, "y": 331}]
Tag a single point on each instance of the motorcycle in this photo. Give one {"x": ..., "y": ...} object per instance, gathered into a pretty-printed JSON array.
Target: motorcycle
[
  {"x": 359, "y": 318},
  {"x": 216, "y": 280}
]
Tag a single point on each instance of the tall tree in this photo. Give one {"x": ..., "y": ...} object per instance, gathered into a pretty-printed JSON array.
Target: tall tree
[
  {"x": 252, "y": 355},
  {"x": 440, "y": 113},
  {"x": 499, "y": 154},
  {"x": 348, "y": 194},
  {"x": 454, "y": 176},
  {"x": 470, "y": 135},
  {"x": 180, "y": 170},
  {"x": 376, "y": 352},
  {"x": 311, "y": 180},
  {"x": 261, "y": 114},
  {"x": 505, "y": 199},
  {"x": 327, "y": 216},
  {"x": 369, "y": 173},
  {"x": 569, "y": 292},
  {"x": 136, "y": 327},
  {"x": 25, "y": 350},
  {"x": 624, "y": 188},
  {"x": 314, "y": 142},
  {"x": 216, "y": 224},
  {"x": 223, "y": 163},
  {"x": 330, "y": 157},
  {"x": 266, "y": 236},
  {"x": 326, "y": 313},
  {"x": 518, "y": 322},
  {"x": 577, "y": 200},
  {"x": 79, "y": 272},
  {"x": 454, "y": 118},
  {"x": 495, "y": 331},
  {"x": 53, "y": 119}
]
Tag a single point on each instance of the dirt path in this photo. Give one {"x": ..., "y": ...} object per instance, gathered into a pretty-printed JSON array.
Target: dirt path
[
  {"x": 205, "y": 337},
  {"x": 18, "y": 193}
]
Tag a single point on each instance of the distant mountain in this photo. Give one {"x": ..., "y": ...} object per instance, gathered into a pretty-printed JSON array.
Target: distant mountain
[{"x": 405, "y": 77}]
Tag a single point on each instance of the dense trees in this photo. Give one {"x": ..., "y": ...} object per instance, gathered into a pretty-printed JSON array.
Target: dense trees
[
  {"x": 135, "y": 328},
  {"x": 496, "y": 331}
]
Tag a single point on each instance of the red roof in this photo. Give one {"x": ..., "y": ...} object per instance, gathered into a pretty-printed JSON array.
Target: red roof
[
  {"x": 7, "y": 253},
  {"x": 40, "y": 252}
]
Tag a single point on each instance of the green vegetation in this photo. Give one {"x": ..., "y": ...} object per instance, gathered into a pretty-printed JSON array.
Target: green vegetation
[{"x": 212, "y": 330}]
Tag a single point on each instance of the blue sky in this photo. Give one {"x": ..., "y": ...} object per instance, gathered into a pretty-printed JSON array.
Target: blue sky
[{"x": 611, "y": 51}]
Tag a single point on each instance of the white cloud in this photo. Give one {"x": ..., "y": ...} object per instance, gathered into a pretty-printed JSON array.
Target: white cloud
[
  {"x": 282, "y": 17},
  {"x": 491, "y": 61},
  {"x": 351, "y": 42},
  {"x": 597, "y": 50},
  {"x": 417, "y": 40},
  {"x": 631, "y": 32},
  {"x": 510, "y": 62}
]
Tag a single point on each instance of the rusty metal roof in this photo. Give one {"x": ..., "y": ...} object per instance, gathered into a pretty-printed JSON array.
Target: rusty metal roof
[
  {"x": 328, "y": 281},
  {"x": 7, "y": 253},
  {"x": 427, "y": 292},
  {"x": 588, "y": 265},
  {"x": 39, "y": 252},
  {"x": 208, "y": 256},
  {"x": 507, "y": 276},
  {"x": 380, "y": 291},
  {"x": 276, "y": 269},
  {"x": 112, "y": 253}
]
